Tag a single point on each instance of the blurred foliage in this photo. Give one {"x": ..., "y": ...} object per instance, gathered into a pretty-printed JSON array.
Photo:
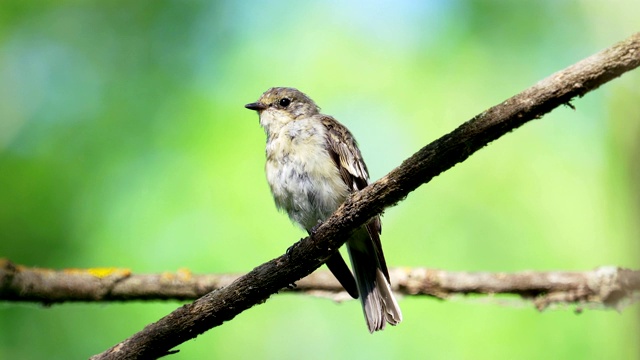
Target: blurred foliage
[{"x": 124, "y": 142}]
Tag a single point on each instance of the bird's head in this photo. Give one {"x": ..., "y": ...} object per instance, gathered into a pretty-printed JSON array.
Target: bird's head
[{"x": 281, "y": 105}]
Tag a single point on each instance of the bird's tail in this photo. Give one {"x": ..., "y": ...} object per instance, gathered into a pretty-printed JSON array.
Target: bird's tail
[{"x": 379, "y": 305}]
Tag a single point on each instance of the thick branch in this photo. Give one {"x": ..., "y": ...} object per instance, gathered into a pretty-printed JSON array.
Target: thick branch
[
  {"x": 255, "y": 287},
  {"x": 608, "y": 286}
]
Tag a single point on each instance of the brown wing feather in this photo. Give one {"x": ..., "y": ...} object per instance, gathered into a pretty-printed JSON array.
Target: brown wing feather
[
  {"x": 346, "y": 155},
  {"x": 344, "y": 151}
]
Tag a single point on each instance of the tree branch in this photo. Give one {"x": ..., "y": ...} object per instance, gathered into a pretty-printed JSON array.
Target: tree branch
[
  {"x": 255, "y": 287},
  {"x": 606, "y": 286}
]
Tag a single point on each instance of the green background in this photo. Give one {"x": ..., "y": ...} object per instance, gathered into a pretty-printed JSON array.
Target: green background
[{"x": 124, "y": 142}]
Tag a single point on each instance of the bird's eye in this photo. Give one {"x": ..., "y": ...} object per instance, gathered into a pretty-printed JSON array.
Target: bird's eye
[{"x": 284, "y": 102}]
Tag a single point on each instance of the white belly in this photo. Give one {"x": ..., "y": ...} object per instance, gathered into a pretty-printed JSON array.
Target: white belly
[{"x": 304, "y": 180}]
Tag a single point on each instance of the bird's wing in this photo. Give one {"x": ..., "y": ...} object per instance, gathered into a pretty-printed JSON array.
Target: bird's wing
[
  {"x": 343, "y": 149},
  {"x": 345, "y": 153}
]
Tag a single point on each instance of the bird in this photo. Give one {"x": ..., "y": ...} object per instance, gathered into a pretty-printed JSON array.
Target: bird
[{"x": 312, "y": 165}]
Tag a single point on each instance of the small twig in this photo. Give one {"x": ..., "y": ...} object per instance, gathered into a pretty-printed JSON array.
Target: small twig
[
  {"x": 47, "y": 286},
  {"x": 608, "y": 286}
]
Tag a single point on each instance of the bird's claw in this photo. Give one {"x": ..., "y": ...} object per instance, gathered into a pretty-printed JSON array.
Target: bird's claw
[
  {"x": 290, "y": 249},
  {"x": 315, "y": 228}
]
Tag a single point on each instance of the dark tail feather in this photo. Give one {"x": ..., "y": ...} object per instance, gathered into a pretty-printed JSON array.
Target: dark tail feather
[
  {"x": 379, "y": 304},
  {"x": 341, "y": 271}
]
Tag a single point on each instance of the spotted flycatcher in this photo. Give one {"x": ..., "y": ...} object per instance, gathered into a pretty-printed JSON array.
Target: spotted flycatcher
[{"x": 313, "y": 163}]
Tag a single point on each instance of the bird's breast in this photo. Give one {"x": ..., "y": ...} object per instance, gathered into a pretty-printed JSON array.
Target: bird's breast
[{"x": 304, "y": 180}]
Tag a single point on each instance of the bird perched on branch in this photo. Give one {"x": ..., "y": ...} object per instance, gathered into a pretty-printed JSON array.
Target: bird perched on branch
[{"x": 313, "y": 163}]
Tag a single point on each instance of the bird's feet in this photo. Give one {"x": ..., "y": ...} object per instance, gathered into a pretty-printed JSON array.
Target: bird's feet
[
  {"x": 315, "y": 228},
  {"x": 311, "y": 233},
  {"x": 290, "y": 249}
]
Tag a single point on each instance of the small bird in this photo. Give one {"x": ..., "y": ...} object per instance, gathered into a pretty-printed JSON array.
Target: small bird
[{"x": 313, "y": 164}]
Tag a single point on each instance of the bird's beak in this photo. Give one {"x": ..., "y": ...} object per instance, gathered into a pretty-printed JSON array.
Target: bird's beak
[{"x": 257, "y": 106}]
